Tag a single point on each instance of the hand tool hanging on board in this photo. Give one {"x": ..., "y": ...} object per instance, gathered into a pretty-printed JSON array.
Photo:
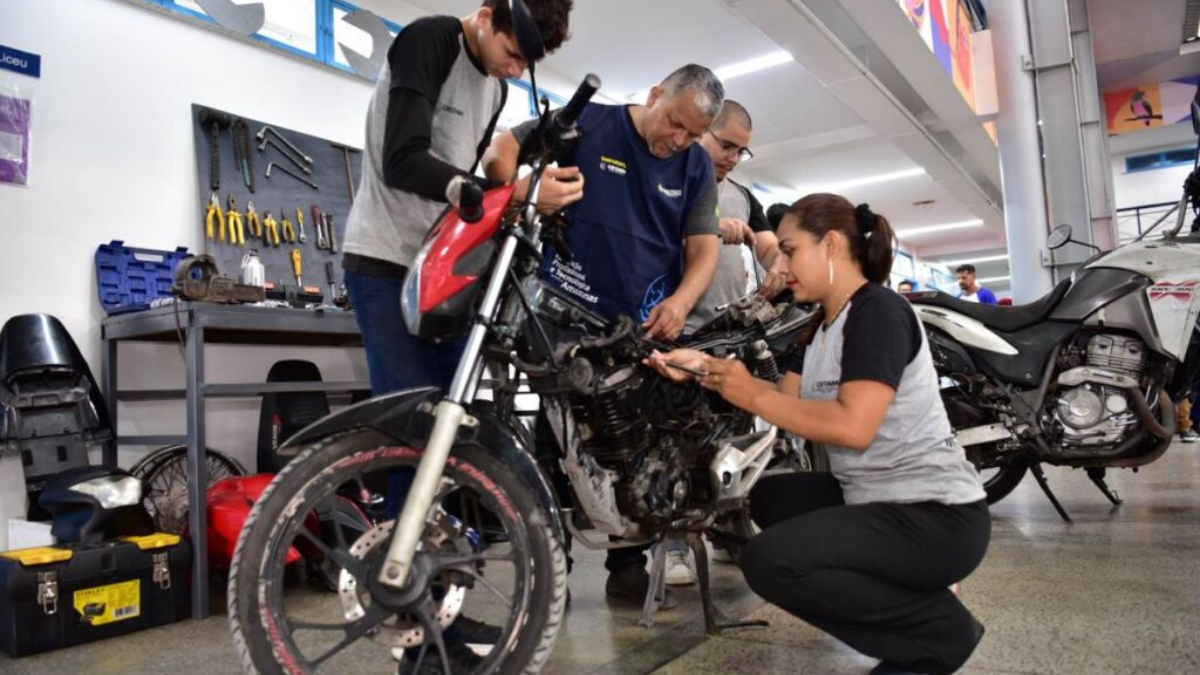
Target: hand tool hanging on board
[
  {"x": 237, "y": 232},
  {"x": 319, "y": 223},
  {"x": 300, "y": 224},
  {"x": 346, "y": 150},
  {"x": 296, "y": 267},
  {"x": 331, "y": 280},
  {"x": 214, "y": 121},
  {"x": 262, "y": 148},
  {"x": 272, "y": 234},
  {"x": 302, "y": 179},
  {"x": 213, "y": 214},
  {"x": 331, "y": 232},
  {"x": 252, "y": 219},
  {"x": 289, "y": 232},
  {"x": 262, "y": 136},
  {"x": 241, "y": 149}
]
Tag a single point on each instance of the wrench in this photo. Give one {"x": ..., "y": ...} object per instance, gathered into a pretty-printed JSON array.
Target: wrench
[
  {"x": 262, "y": 136},
  {"x": 262, "y": 147},
  {"x": 302, "y": 179}
]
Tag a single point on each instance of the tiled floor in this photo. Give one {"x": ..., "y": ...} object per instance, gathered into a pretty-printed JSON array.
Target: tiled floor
[{"x": 1115, "y": 593}]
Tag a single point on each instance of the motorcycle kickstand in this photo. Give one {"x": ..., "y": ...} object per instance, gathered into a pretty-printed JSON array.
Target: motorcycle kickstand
[
  {"x": 711, "y": 627},
  {"x": 656, "y": 592},
  {"x": 1040, "y": 475},
  {"x": 1097, "y": 474}
]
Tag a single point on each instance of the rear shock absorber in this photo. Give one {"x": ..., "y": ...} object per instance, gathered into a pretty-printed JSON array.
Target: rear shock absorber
[{"x": 765, "y": 367}]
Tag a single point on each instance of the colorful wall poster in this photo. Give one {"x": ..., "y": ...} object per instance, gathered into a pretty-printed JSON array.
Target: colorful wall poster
[
  {"x": 1150, "y": 105},
  {"x": 945, "y": 26}
]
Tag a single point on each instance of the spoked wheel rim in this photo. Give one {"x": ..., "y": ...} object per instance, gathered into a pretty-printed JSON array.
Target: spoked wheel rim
[
  {"x": 166, "y": 480},
  {"x": 455, "y": 570}
]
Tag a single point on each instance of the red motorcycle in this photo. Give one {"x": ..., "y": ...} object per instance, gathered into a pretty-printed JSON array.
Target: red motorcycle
[{"x": 634, "y": 457}]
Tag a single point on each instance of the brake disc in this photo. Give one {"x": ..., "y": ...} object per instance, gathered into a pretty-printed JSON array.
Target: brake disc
[{"x": 403, "y": 633}]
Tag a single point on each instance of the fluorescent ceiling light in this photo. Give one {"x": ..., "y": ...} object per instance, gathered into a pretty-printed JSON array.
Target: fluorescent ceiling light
[
  {"x": 840, "y": 186},
  {"x": 968, "y": 261},
  {"x": 918, "y": 231},
  {"x": 754, "y": 65},
  {"x": 992, "y": 280}
]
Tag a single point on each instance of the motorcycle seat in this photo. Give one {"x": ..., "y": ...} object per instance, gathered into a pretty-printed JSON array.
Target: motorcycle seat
[{"x": 1004, "y": 319}]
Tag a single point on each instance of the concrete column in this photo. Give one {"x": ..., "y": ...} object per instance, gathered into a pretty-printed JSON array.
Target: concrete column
[{"x": 1020, "y": 151}]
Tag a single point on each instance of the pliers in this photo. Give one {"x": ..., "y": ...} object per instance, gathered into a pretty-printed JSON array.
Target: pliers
[
  {"x": 252, "y": 219},
  {"x": 289, "y": 232},
  {"x": 272, "y": 236},
  {"x": 237, "y": 231},
  {"x": 213, "y": 213}
]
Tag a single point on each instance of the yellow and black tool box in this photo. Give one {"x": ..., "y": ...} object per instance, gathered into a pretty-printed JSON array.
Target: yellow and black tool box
[{"x": 67, "y": 595}]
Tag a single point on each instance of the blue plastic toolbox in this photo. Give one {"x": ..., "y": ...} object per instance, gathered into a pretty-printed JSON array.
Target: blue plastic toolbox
[{"x": 129, "y": 279}]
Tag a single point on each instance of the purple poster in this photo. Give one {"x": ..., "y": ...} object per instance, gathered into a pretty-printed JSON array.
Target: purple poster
[{"x": 15, "y": 136}]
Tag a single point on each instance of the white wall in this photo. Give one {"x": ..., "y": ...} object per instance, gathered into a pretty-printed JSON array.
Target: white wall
[
  {"x": 1148, "y": 187},
  {"x": 113, "y": 158}
]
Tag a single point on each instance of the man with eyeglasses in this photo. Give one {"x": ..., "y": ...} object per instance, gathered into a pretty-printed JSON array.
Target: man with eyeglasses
[{"x": 742, "y": 220}]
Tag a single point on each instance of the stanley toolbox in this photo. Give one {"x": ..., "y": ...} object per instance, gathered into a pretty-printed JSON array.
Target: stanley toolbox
[{"x": 61, "y": 596}]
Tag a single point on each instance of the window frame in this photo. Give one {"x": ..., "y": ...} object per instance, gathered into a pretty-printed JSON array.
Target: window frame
[{"x": 1159, "y": 160}]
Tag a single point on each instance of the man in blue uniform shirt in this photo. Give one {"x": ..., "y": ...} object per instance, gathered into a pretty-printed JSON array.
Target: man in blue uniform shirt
[{"x": 644, "y": 237}]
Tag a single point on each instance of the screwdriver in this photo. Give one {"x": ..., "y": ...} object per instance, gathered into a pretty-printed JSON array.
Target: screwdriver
[
  {"x": 296, "y": 266},
  {"x": 331, "y": 280}
]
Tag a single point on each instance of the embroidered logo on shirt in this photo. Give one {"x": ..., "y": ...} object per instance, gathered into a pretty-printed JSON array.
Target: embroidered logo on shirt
[
  {"x": 452, "y": 110},
  {"x": 613, "y": 165},
  {"x": 825, "y": 385},
  {"x": 673, "y": 193}
]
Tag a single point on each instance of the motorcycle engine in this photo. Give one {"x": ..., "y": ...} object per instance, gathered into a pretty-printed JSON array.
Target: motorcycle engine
[{"x": 1095, "y": 414}]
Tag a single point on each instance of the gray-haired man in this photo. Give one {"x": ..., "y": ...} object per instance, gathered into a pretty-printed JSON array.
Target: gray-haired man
[{"x": 649, "y": 188}]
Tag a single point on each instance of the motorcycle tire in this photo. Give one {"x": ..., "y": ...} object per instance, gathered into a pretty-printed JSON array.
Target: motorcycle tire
[
  {"x": 1006, "y": 479},
  {"x": 257, "y": 607},
  {"x": 164, "y": 473}
]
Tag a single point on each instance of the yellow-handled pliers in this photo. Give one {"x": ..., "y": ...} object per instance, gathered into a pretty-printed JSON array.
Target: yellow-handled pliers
[
  {"x": 271, "y": 238},
  {"x": 237, "y": 231},
  {"x": 289, "y": 232},
  {"x": 213, "y": 213},
  {"x": 252, "y": 219}
]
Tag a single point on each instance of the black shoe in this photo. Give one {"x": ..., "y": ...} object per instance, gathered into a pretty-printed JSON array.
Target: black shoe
[
  {"x": 462, "y": 660},
  {"x": 475, "y": 632},
  {"x": 888, "y": 669},
  {"x": 631, "y": 585}
]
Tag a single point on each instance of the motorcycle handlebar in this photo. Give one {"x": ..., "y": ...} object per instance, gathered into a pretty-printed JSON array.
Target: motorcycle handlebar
[{"x": 569, "y": 115}]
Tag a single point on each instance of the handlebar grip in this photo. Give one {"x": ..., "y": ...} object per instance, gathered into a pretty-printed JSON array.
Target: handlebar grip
[
  {"x": 570, "y": 113},
  {"x": 470, "y": 204}
]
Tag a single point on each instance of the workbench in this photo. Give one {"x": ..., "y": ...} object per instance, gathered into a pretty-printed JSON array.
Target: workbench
[{"x": 200, "y": 324}]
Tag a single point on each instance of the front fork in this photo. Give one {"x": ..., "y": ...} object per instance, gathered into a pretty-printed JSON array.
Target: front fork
[{"x": 451, "y": 412}]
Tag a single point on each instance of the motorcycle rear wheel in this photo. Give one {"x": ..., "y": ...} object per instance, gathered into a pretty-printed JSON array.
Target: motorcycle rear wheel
[{"x": 281, "y": 630}]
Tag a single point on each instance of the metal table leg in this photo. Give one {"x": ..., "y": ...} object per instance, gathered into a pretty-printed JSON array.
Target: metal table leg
[
  {"x": 108, "y": 364},
  {"x": 197, "y": 473}
]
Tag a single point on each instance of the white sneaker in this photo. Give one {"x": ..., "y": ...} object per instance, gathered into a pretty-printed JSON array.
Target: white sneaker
[{"x": 680, "y": 571}]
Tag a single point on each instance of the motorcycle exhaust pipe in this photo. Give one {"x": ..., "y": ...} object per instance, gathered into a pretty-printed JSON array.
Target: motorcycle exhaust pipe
[{"x": 1147, "y": 418}]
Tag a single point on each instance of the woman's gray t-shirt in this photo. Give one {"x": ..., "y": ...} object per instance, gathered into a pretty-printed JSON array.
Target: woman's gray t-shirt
[{"x": 914, "y": 456}]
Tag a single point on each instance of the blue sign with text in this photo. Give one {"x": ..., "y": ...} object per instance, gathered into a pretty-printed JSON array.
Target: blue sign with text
[{"x": 20, "y": 62}]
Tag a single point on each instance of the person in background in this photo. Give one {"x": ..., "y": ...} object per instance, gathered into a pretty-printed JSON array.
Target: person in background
[
  {"x": 971, "y": 290},
  {"x": 905, "y": 286},
  {"x": 775, "y": 214},
  {"x": 742, "y": 220}
]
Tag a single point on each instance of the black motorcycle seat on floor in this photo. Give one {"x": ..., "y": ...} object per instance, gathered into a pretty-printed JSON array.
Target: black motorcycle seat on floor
[{"x": 1003, "y": 319}]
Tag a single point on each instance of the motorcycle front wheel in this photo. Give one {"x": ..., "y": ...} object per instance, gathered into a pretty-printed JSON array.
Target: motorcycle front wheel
[{"x": 512, "y": 579}]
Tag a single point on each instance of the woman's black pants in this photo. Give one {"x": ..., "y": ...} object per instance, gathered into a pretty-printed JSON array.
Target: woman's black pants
[{"x": 874, "y": 576}]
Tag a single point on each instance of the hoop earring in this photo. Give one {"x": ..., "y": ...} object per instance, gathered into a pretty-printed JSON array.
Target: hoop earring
[{"x": 830, "y": 271}]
